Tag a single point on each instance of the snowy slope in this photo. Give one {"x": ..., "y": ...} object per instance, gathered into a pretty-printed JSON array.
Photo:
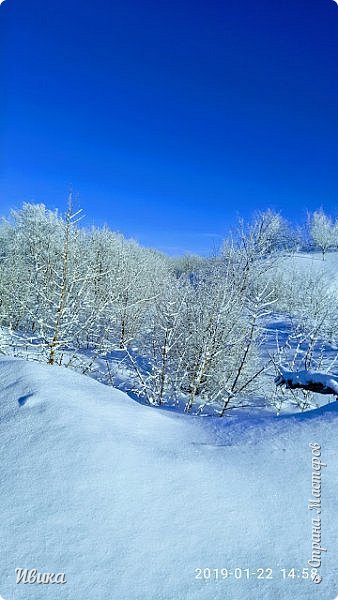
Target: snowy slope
[
  {"x": 303, "y": 262},
  {"x": 128, "y": 501}
]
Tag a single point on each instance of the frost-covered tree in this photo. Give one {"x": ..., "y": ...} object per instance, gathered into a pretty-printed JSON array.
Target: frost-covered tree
[
  {"x": 136, "y": 290},
  {"x": 322, "y": 231},
  {"x": 223, "y": 334},
  {"x": 48, "y": 283},
  {"x": 159, "y": 343},
  {"x": 33, "y": 250},
  {"x": 268, "y": 233},
  {"x": 125, "y": 286},
  {"x": 69, "y": 291},
  {"x": 212, "y": 323}
]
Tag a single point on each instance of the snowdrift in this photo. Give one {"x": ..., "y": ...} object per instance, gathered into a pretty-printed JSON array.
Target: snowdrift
[{"x": 129, "y": 501}]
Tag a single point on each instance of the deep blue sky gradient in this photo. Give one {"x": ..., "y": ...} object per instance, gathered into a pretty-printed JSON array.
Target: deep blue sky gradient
[{"x": 170, "y": 118}]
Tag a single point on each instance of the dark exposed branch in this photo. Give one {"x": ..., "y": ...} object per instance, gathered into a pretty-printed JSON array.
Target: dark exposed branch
[{"x": 321, "y": 383}]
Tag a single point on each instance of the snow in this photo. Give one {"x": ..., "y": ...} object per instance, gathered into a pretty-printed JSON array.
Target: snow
[
  {"x": 305, "y": 262},
  {"x": 129, "y": 500},
  {"x": 326, "y": 382}
]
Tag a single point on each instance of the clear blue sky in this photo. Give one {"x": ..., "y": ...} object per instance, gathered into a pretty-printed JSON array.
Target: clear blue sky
[{"x": 169, "y": 118}]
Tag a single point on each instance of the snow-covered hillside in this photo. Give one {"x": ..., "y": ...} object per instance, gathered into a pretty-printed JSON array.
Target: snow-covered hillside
[
  {"x": 312, "y": 262},
  {"x": 128, "y": 501}
]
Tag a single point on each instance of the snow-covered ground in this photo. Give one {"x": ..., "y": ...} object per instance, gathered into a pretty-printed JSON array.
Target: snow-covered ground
[
  {"x": 313, "y": 262},
  {"x": 128, "y": 501}
]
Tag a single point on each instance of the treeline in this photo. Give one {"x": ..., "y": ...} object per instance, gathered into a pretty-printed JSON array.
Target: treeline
[{"x": 190, "y": 329}]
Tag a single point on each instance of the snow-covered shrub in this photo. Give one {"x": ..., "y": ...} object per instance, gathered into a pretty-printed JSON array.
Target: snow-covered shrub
[{"x": 189, "y": 330}]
